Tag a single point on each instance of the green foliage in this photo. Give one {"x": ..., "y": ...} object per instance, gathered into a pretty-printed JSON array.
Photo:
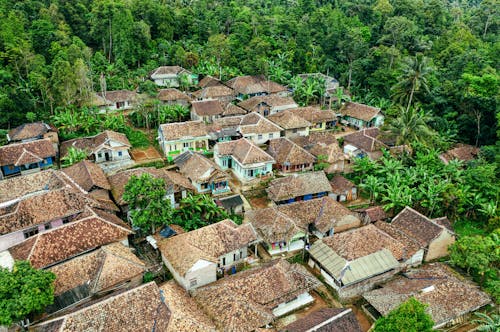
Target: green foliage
[
  {"x": 148, "y": 205},
  {"x": 321, "y": 163},
  {"x": 73, "y": 156},
  {"x": 197, "y": 211},
  {"x": 23, "y": 291},
  {"x": 487, "y": 323},
  {"x": 409, "y": 316},
  {"x": 148, "y": 276}
]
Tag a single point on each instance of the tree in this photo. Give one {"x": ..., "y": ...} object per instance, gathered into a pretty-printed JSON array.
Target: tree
[
  {"x": 487, "y": 323},
  {"x": 148, "y": 203},
  {"x": 23, "y": 291},
  {"x": 73, "y": 156},
  {"x": 409, "y": 317},
  {"x": 196, "y": 211},
  {"x": 410, "y": 126}
]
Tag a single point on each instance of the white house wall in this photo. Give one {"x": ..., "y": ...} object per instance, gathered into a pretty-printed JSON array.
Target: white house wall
[{"x": 300, "y": 301}]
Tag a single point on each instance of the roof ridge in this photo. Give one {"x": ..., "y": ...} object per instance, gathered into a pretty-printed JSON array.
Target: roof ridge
[
  {"x": 111, "y": 253},
  {"x": 98, "y": 275},
  {"x": 28, "y": 152},
  {"x": 33, "y": 246}
]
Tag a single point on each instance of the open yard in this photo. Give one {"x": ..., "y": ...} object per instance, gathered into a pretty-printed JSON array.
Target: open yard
[{"x": 145, "y": 155}]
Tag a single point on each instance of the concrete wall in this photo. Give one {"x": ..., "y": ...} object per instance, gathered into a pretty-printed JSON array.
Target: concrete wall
[
  {"x": 300, "y": 301},
  {"x": 114, "y": 155},
  {"x": 439, "y": 246},
  {"x": 11, "y": 239},
  {"x": 263, "y": 138},
  {"x": 291, "y": 133},
  {"x": 203, "y": 274},
  {"x": 241, "y": 254},
  {"x": 416, "y": 259}
]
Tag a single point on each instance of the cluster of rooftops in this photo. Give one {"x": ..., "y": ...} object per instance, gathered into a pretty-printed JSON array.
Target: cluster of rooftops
[{"x": 226, "y": 277}]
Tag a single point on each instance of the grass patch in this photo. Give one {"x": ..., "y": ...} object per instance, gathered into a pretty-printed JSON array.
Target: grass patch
[
  {"x": 137, "y": 138},
  {"x": 468, "y": 228}
]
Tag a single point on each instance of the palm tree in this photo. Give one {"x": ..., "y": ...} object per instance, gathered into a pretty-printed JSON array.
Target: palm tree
[
  {"x": 487, "y": 323},
  {"x": 413, "y": 78},
  {"x": 73, "y": 156},
  {"x": 410, "y": 126}
]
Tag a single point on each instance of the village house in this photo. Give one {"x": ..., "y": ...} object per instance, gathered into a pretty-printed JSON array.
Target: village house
[
  {"x": 320, "y": 120},
  {"x": 292, "y": 124},
  {"x": 361, "y": 116},
  {"x": 331, "y": 84},
  {"x": 148, "y": 307},
  {"x": 298, "y": 187},
  {"x": 205, "y": 175},
  {"x": 251, "y": 86},
  {"x": 219, "y": 92},
  {"x": 325, "y": 147},
  {"x": 106, "y": 147},
  {"x": 434, "y": 235},
  {"x": 233, "y": 110},
  {"x": 173, "y": 77},
  {"x": 119, "y": 100},
  {"x": 206, "y": 110},
  {"x": 175, "y": 138},
  {"x": 92, "y": 228},
  {"x": 258, "y": 129},
  {"x": 355, "y": 261},
  {"x": 195, "y": 257},
  {"x": 461, "y": 152},
  {"x": 25, "y": 158},
  {"x": 285, "y": 228},
  {"x": 342, "y": 189},
  {"x": 244, "y": 158},
  {"x": 34, "y": 131},
  {"x": 232, "y": 204},
  {"x": 224, "y": 129},
  {"x": 267, "y": 105},
  {"x": 254, "y": 298},
  {"x": 209, "y": 81},
  {"x": 364, "y": 143},
  {"x": 176, "y": 185},
  {"x": 371, "y": 214},
  {"x": 289, "y": 156},
  {"x": 172, "y": 96},
  {"x": 94, "y": 274},
  {"x": 450, "y": 299},
  {"x": 324, "y": 320}
]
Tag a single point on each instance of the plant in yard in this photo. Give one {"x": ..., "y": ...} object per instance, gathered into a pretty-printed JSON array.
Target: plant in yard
[{"x": 73, "y": 156}]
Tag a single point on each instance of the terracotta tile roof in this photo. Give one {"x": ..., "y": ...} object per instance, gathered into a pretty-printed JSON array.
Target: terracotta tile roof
[
  {"x": 322, "y": 144},
  {"x": 281, "y": 222},
  {"x": 314, "y": 114},
  {"x": 243, "y": 150},
  {"x": 298, "y": 185},
  {"x": 29, "y": 130},
  {"x": 417, "y": 226},
  {"x": 247, "y": 85},
  {"x": 199, "y": 168},
  {"x": 94, "y": 229},
  {"x": 215, "y": 92},
  {"x": 183, "y": 130},
  {"x": 209, "y": 81},
  {"x": 26, "y": 153},
  {"x": 272, "y": 101},
  {"x": 230, "y": 122},
  {"x": 232, "y": 109},
  {"x": 447, "y": 295},
  {"x": 254, "y": 123},
  {"x": 207, "y": 107},
  {"x": 326, "y": 320},
  {"x": 172, "y": 94},
  {"x": 138, "y": 309},
  {"x": 185, "y": 313},
  {"x": 286, "y": 152},
  {"x": 103, "y": 197},
  {"x": 340, "y": 184},
  {"x": 411, "y": 245},
  {"x": 92, "y": 144},
  {"x": 359, "y": 111},
  {"x": 168, "y": 70},
  {"x": 209, "y": 243},
  {"x": 119, "y": 180},
  {"x": 374, "y": 213},
  {"x": 87, "y": 175},
  {"x": 462, "y": 152},
  {"x": 288, "y": 120},
  {"x": 101, "y": 269},
  {"x": 118, "y": 95},
  {"x": 445, "y": 222},
  {"x": 39, "y": 209},
  {"x": 365, "y": 139},
  {"x": 244, "y": 301},
  {"x": 364, "y": 241}
]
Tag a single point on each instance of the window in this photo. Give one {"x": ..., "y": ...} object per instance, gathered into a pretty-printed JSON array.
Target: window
[
  {"x": 294, "y": 130},
  {"x": 186, "y": 144},
  {"x": 271, "y": 135},
  {"x": 120, "y": 153},
  {"x": 99, "y": 155},
  {"x": 259, "y": 136},
  {"x": 223, "y": 260},
  {"x": 234, "y": 257},
  {"x": 30, "y": 233},
  {"x": 193, "y": 282},
  {"x": 47, "y": 226}
]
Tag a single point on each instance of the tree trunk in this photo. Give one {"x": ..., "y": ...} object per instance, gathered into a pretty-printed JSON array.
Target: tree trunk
[
  {"x": 411, "y": 96},
  {"x": 350, "y": 76},
  {"x": 478, "y": 116},
  {"x": 486, "y": 25},
  {"x": 110, "y": 41}
]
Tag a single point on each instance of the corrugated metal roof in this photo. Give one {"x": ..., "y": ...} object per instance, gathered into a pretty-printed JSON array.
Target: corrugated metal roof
[{"x": 329, "y": 260}]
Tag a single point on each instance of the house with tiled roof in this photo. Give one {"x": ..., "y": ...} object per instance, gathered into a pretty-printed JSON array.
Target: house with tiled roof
[
  {"x": 95, "y": 273},
  {"x": 92, "y": 229},
  {"x": 244, "y": 158},
  {"x": 320, "y": 120},
  {"x": 449, "y": 298},
  {"x": 218, "y": 92},
  {"x": 224, "y": 129},
  {"x": 267, "y": 105},
  {"x": 233, "y": 110},
  {"x": 118, "y": 100},
  {"x": 208, "y": 81},
  {"x": 292, "y": 124},
  {"x": 255, "y": 298},
  {"x": 355, "y": 261},
  {"x": 33, "y": 131},
  {"x": 342, "y": 189},
  {"x": 26, "y": 157},
  {"x": 251, "y": 86},
  {"x": 430, "y": 234},
  {"x": 176, "y": 185},
  {"x": 195, "y": 257},
  {"x": 326, "y": 320},
  {"x": 105, "y": 147},
  {"x": 172, "y": 96},
  {"x": 258, "y": 129},
  {"x": 298, "y": 187},
  {"x": 205, "y": 175},
  {"x": 461, "y": 152},
  {"x": 361, "y": 115},
  {"x": 289, "y": 156},
  {"x": 288, "y": 227},
  {"x": 206, "y": 110},
  {"x": 363, "y": 143},
  {"x": 177, "y": 137},
  {"x": 371, "y": 214},
  {"x": 172, "y": 76}
]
